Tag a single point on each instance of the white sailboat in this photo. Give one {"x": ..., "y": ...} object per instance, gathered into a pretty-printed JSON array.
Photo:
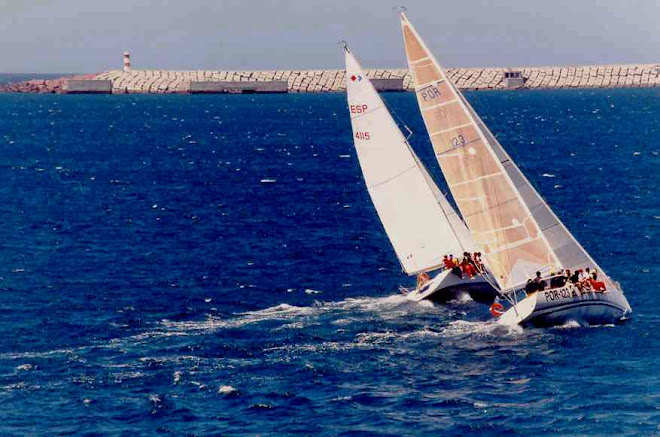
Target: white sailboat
[
  {"x": 516, "y": 230},
  {"x": 419, "y": 221}
]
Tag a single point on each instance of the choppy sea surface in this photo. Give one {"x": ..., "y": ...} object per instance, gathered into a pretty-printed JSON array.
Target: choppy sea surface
[{"x": 203, "y": 265}]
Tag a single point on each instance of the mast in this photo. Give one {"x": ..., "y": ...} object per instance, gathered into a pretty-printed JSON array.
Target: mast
[
  {"x": 405, "y": 200},
  {"x": 500, "y": 220}
]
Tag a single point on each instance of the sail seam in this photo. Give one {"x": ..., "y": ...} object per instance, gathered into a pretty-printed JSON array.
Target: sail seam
[
  {"x": 428, "y": 84},
  {"x": 438, "y": 154},
  {"x": 504, "y": 228},
  {"x": 514, "y": 245},
  {"x": 391, "y": 178},
  {"x": 425, "y": 58},
  {"x": 486, "y": 209},
  {"x": 475, "y": 179},
  {"x": 437, "y": 105},
  {"x": 451, "y": 129}
]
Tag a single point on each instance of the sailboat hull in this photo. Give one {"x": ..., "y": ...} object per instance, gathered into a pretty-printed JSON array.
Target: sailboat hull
[
  {"x": 447, "y": 286},
  {"x": 567, "y": 305}
]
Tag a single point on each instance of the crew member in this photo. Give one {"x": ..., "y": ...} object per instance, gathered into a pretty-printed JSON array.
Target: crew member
[
  {"x": 448, "y": 264},
  {"x": 422, "y": 279},
  {"x": 540, "y": 283}
]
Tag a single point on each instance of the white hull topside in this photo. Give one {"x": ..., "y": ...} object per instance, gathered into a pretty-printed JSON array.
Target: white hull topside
[
  {"x": 559, "y": 306},
  {"x": 447, "y": 286}
]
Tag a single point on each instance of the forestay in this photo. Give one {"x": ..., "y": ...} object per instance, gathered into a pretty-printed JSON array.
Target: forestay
[
  {"x": 400, "y": 188},
  {"x": 499, "y": 219}
]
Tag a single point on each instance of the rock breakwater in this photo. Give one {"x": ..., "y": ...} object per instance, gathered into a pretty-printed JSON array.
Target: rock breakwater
[
  {"x": 318, "y": 81},
  {"x": 43, "y": 86}
]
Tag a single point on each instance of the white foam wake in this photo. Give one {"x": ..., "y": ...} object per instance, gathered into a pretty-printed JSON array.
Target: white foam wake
[
  {"x": 491, "y": 328},
  {"x": 387, "y": 308}
]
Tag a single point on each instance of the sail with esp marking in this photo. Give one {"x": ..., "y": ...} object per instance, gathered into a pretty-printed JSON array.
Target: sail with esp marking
[{"x": 418, "y": 220}]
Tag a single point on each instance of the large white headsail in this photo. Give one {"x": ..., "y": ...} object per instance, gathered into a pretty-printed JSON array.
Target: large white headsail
[
  {"x": 500, "y": 221},
  {"x": 405, "y": 200},
  {"x": 567, "y": 249}
]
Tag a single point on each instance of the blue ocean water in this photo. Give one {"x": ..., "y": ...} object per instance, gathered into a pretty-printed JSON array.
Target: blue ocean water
[{"x": 203, "y": 265}]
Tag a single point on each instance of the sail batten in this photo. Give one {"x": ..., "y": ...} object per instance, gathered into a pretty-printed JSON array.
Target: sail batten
[
  {"x": 488, "y": 198},
  {"x": 419, "y": 222}
]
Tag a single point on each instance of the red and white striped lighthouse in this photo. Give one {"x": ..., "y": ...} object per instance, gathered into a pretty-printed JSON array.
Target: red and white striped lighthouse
[{"x": 127, "y": 61}]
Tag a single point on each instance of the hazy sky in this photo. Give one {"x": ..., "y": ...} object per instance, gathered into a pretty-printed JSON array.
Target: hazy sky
[{"x": 91, "y": 35}]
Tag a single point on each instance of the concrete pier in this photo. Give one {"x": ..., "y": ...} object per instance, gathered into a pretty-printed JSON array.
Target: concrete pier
[
  {"x": 388, "y": 84},
  {"x": 213, "y": 87},
  {"x": 77, "y": 86}
]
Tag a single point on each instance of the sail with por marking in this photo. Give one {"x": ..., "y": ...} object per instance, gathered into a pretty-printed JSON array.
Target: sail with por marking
[
  {"x": 499, "y": 219},
  {"x": 401, "y": 190}
]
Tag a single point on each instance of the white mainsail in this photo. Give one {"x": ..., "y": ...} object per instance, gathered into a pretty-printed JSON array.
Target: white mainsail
[
  {"x": 418, "y": 220},
  {"x": 487, "y": 196}
]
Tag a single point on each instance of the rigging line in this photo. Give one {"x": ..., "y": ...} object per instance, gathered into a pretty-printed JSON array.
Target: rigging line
[
  {"x": 485, "y": 273},
  {"x": 400, "y": 120},
  {"x": 501, "y": 293}
]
